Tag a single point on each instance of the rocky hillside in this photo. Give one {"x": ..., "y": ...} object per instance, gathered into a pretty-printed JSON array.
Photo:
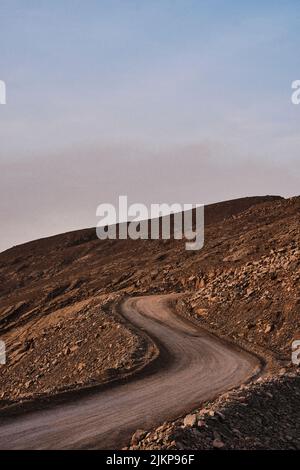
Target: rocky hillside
[
  {"x": 56, "y": 294},
  {"x": 252, "y": 293}
]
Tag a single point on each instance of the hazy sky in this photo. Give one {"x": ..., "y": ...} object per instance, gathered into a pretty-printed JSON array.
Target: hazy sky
[{"x": 160, "y": 100}]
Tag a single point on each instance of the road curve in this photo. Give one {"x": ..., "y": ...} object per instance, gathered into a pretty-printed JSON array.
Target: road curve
[{"x": 196, "y": 367}]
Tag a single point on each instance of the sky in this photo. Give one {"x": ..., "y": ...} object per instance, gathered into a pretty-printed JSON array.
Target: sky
[{"x": 177, "y": 101}]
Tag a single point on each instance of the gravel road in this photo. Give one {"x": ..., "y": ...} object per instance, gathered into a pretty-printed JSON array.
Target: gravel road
[{"x": 194, "y": 366}]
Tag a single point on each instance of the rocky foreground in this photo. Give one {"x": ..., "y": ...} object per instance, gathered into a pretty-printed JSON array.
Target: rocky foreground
[{"x": 263, "y": 415}]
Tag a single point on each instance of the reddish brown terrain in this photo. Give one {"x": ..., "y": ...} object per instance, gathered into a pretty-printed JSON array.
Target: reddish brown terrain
[{"x": 64, "y": 329}]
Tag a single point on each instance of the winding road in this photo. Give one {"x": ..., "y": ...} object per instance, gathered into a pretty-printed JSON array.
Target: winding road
[{"x": 196, "y": 366}]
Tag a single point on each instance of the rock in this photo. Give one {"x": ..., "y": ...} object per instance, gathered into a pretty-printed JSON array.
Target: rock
[
  {"x": 218, "y": 444},
  {"x": 217, "y": 436},
  {"x": 201, "y": 311},
  {"x": 201, "y": 424},
  {"x": 28, "y": 384},
  {"x": 180, "y": 445},
  {"x": 138, "y": 436},
  {"x": 190, "y": 420},
  {"x": 221, "y": 415},
  {"x": 250, "y": 292},
  {"x": 237, "y": 432},
  {"x": 268, "y": 328},
  {"x": 28, "y": 344}
]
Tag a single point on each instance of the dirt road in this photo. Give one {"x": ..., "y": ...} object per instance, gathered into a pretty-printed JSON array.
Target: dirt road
[{"x": 196, "y": 367}]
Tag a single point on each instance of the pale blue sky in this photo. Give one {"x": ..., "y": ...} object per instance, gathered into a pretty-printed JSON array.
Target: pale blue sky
[{"x": 162, "y": 100}]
